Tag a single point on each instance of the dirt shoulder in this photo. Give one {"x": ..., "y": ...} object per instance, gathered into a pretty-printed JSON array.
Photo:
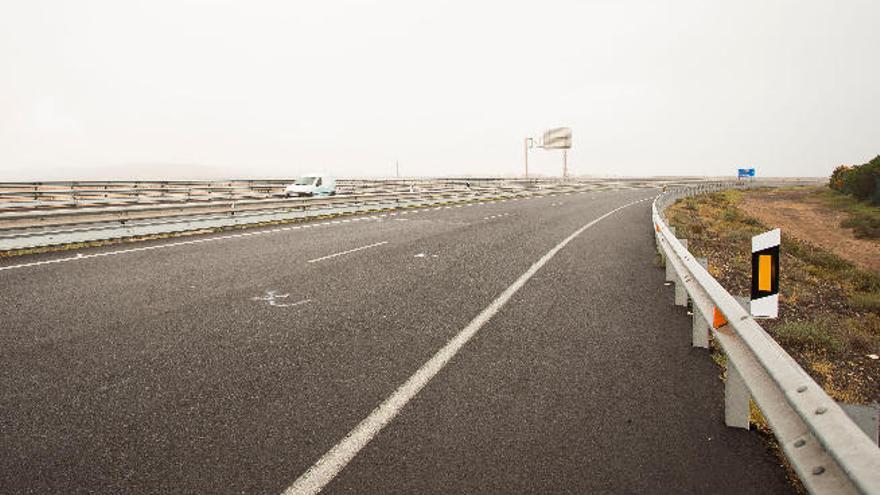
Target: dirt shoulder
[{"x": 803, "y": 214}]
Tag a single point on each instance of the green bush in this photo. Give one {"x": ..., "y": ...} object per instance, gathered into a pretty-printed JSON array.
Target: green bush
[
  {"x": 815, "y": 334},
  {"x": 866, "y": 301},
  {"x": 838, "y": 177},
  {"x": 860, "y": 181},
  {"x": 864, "y": 226}
]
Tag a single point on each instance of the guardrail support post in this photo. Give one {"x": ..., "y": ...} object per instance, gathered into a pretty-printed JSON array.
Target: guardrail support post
[
  {"x": 700, "y": 330},
  {"x": 701, "y": 326},
  {"x": 681, "y": 295},
  {"x": 662, "y": 255},
  {"x": 670, "y": 271},
  {"x": 736, "y": 399},
  {"x": 657, "y": 244}
]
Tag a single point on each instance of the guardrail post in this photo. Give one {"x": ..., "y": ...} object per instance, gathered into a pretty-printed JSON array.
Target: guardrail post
[
  {"x": 700, "y": 330},
  {"x": 736, "y": 399},
  {"x": 670, "y": 271},
  {"x": 700, "y": 325},
  {"x": 681, "y": 295},
  {"x": 660, "y": 249}
]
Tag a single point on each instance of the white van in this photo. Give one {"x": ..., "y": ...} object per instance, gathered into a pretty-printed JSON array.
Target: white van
[{"x": 317, "y": 184}]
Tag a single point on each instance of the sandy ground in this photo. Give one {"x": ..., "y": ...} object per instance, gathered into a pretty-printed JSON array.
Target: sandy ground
[{"x": 807, "y": 219}]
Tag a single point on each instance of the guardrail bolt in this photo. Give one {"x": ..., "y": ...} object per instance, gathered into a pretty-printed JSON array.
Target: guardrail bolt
[
  {"x": 818, "y": 470},
  {"x": 802, "y": 389},
  {"x": 800, "y": 443},
  {"x": 821, "y": 410}
]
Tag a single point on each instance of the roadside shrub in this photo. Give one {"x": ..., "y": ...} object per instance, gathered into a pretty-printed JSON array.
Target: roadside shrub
[
  {"x": 864, "y": 226},
  {"x": 752, "y": 222},
  {"x": 811, "y": 335},
  {"x": 838, "y": 177},
  {"x": 866, "y": 301},
  {"x": 816, "y": 257},
  {"x": 862, "y": 335},
  {"x": 860, "y": 181},
  {"x": 731, "y": 215},
  {"x": 831, "y": 334},
  {"x": 737, "y": 236},
  {"x": 864, "y": 281}
]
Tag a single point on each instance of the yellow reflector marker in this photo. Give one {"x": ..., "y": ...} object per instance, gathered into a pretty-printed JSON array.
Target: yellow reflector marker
[
  {"x": 765, "y": 274},
  {"x": 764, "y": 267}
]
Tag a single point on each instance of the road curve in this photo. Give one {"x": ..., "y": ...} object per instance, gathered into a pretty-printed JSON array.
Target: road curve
[{"x": 231, "y": 363}]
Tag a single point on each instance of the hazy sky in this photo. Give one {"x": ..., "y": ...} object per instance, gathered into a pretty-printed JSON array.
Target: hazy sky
[{"x": 187, "y": 88}]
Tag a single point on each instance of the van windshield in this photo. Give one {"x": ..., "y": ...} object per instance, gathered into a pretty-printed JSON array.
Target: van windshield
[{"x": 305, "y": 181}]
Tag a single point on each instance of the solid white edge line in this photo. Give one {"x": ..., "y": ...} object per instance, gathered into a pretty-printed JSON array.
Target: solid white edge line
[
  {"x": 330, "y": 464},
  {"x": 346, "y": 252}
]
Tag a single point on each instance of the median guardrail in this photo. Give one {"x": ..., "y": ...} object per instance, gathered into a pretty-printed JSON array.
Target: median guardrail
[
  {"x": 86, "y": 194},
  {"x": 826, "y": 448},
  {"x": 38, "y": 228},
  {"x": 39, "y": 214},
  {"x": 23, "y": 228},
  {"x": 92, "y": 194}
]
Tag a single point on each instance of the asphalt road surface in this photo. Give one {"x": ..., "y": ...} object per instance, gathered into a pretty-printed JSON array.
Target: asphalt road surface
[{"x": 232, "y": 363}]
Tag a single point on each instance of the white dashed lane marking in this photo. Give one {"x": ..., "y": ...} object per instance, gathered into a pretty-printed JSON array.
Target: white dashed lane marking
[
  {"x": 491, "y": 217},
  {"x": 334, "y": 255}
]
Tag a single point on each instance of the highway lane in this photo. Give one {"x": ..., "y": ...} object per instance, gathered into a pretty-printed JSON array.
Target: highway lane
[
  {"x": 158, "y": 370},
  {"x": 587, "y": 384}
]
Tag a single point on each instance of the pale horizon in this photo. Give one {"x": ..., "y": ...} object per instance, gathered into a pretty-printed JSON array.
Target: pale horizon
[{"x": 106, "y": 89}]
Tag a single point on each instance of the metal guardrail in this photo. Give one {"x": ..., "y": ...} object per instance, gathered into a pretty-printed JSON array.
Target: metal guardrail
[
  {"x": 60, "y": 194},
  {"x": 21, "y": 230},
  {"x": 90, "y": 194},
  {"x": 39, "y": 227},
  {"x": 87, "y": 219},
  {"x": 829, "y": 452},
  {"x": 30, "y": 195},
  {"x": 55, "y": 217}
]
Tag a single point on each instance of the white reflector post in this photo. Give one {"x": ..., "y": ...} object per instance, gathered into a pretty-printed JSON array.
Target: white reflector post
[
  {"x": 765, "y": 274},
  {"x": 765, "y": 307},
  {"x": 766, "y": 240}
]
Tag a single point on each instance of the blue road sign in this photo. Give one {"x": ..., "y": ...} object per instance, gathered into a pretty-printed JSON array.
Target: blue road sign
[{"x": 746, "y": 172}]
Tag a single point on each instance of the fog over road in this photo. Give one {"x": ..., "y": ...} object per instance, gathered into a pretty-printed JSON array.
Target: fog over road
[{"x": 232, "y": 365}]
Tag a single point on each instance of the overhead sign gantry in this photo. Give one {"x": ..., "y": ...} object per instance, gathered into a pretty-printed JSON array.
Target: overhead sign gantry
[{"x": 558, "y": 138}]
